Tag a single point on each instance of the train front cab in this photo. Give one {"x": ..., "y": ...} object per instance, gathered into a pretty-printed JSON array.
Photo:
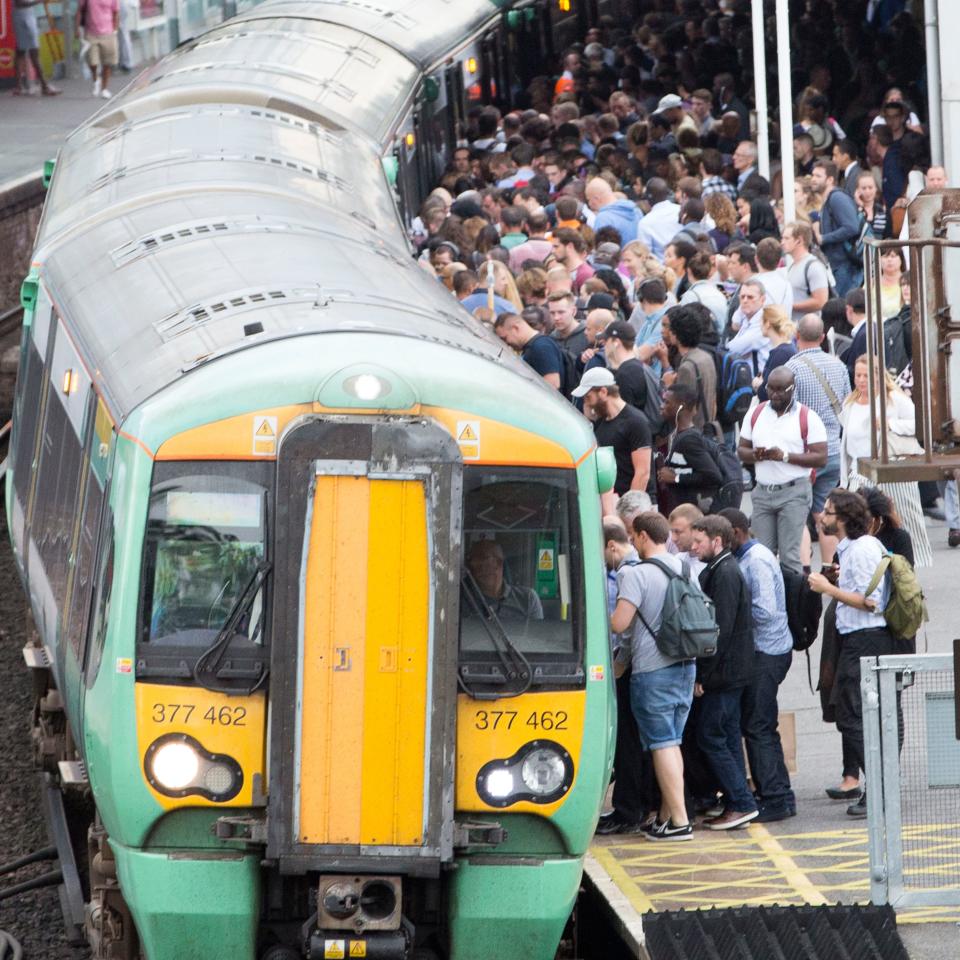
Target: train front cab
[{"x": 432, "y": 779}]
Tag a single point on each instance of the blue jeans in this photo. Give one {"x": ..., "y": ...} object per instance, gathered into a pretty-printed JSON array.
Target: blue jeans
[
  {"x": 718, "y": 736},
  {"x": 846, "y": 275},
  {"x": 764, "y": 749},
  {"x": 951, "y": 504}
]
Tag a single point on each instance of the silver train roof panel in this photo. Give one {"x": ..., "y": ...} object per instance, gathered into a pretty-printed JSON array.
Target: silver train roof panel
[
  {"x": 151, "y": 306},
  {"x": 214, "y": 147},
  {"x": 321, "y": 71},
  {"x": 423, "y": 30}
]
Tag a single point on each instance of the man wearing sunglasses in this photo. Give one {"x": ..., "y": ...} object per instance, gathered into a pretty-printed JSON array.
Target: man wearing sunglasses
[{"x": 787, "y": 442}]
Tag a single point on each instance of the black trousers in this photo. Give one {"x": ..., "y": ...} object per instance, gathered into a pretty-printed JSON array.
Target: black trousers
[
  {"x": 635, "y": 791},
  {"x": 861, "y": 643}
]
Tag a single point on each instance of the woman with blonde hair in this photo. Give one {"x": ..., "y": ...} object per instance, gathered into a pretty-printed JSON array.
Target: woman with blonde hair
[
  {"x": 856, "y": 418},
  {"x": 807, "y": 199},
  {"x": 777, "y": 327},
  {"x": 505, "y": 286}
]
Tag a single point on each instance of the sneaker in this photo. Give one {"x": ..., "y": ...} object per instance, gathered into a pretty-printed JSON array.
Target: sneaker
[
  {"x": 106, "y": 94},
  {"x": 97, "y": 87},
  {"x": 715, "y": 811},
  {"x": 731, "y": 819},
  {"x": 615, "y": 825},
  {"x": 773, "y": 814},
  {"x": 667, "y": 831},
  {"x": 953, "y": 538}
]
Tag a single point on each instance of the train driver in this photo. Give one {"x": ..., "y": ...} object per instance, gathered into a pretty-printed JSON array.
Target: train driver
[{"x": 508, "y": 601}]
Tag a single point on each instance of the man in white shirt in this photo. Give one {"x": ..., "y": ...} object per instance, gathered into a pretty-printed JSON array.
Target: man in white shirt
[
  {"x": 661, "y": 224},
  {"x": 774, "y": 280},
  {"x": 750, "y": 341},
  {"x": 861, "y": 628},
  {"x": 785, "y": 440}
]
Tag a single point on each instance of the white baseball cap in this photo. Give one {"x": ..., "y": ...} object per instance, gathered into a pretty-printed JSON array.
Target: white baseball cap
[
  {"x": 593, "y": 378},
  {"x": 669, "y": 102}
]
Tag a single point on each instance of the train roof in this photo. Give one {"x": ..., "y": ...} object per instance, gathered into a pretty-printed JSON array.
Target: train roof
[
  {"x": 222, "y": 200},
  {"x": 425, "y": 31}
]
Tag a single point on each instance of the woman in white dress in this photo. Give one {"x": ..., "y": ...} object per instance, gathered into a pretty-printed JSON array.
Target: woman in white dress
[{"x": 855, "y": 418}]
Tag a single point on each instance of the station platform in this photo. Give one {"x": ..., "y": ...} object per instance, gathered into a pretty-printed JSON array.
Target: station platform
[
  {"x": 818, "y": 857},
  {"x": 35, "y": 126}
]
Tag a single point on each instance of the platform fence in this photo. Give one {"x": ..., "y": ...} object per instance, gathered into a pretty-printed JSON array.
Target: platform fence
[{"x": 913, "y": 779}]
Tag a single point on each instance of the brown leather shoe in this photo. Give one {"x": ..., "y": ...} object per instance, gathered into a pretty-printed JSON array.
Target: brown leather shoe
[
  {"x": 953, "y": 538},
  {"x": 731, "y": 819}
]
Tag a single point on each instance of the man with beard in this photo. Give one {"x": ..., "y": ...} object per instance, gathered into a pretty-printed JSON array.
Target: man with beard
[
  {"x": 785, "y": 440},
  {"x": 838, "y": 228},
  {"x": 616, "y": 424},
  {"x": 861, "y": 628}
]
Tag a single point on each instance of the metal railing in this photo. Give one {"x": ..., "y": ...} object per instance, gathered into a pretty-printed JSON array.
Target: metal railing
[{"x": 913, "y": 779}]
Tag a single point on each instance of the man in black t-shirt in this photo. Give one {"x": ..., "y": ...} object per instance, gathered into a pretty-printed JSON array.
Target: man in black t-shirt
[
  {"x": 542, "y": 352},
  {"x": 618, "y": 340},
  {"x": 616, "y": 424}
]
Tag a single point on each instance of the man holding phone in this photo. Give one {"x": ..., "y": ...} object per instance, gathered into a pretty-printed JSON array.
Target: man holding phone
[{"x": 787, "y": 442}]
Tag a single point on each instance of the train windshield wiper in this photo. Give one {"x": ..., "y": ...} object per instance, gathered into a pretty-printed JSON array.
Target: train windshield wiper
[
  {"x": 514, "y": 663},
  {"x": 206, "y": 671}
]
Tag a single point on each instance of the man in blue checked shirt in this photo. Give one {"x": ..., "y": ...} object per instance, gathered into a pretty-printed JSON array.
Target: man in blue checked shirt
[{"x": 773, "y": 653}]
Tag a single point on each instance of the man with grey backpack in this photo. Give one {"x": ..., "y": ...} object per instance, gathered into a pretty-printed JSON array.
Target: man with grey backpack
[{"x": 670, "y": 622}]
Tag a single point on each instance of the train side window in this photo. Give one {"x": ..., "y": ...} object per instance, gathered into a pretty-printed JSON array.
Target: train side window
[
  {"x": 520, "y": 550},
  {"x": 102, "y": 597},
  {"x": 205, "y": 541}
]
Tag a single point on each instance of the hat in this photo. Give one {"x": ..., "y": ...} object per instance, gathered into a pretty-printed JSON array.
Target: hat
[
  {"x": 621, "y": 330},
  {"x": 607, "y": 254},
  {"x": 670, "y": 102},
  {"x": 593, "y": 378},
  {"x": 821, "y": 136},
  {"x": 600, "y": 301}
]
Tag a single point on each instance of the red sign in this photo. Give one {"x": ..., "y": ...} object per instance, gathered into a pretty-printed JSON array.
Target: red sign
[{"x": 8, "y": 43}]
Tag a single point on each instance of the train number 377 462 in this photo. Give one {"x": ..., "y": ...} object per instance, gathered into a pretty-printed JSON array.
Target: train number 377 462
[
  {"x": 505, "y": 719},
  {"x": 189, "y": 713}
]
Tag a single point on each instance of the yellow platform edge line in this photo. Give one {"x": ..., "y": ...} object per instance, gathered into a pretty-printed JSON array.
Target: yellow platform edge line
[
  {"x": 794, "y": 876},
  {"x": 638, "y": 899}
]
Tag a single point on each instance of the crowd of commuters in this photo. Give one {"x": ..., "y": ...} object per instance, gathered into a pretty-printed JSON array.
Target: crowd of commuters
[{"x": 617, "y": 234}]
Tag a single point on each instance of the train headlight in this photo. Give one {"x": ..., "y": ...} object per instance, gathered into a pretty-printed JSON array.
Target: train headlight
[
  {"x": 540, "y": 771},
  {"x": 177, "y": 765}
]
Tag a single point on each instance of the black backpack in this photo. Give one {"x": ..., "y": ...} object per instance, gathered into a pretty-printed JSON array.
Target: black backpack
[
  {"x": 804, "y": 608},
  {"x": 653, "y": 405},
  {"x": 895, "y": 332},
  {"x": 730, "y": 492},
  {"x": 568, "y": 367}
]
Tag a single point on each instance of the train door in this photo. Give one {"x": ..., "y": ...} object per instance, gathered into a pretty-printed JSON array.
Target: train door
[{"x": 363, "y": 667}]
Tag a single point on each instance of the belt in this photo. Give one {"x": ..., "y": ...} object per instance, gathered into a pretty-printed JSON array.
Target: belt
[{"x": 783, "y": 486}]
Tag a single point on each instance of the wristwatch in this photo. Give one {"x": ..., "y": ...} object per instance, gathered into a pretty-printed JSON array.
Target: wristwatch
[{"x": 785, "y": 457}]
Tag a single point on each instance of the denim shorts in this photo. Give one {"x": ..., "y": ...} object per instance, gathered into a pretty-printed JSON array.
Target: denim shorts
[
  {"x": 827, "y": 479},
  {"x": 660, "y": 701}
]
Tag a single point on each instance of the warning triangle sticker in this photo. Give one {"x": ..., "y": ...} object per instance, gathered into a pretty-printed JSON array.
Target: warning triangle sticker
[
  {"x": 467, "y": 435},
  {"x": 265, "y": 430}
]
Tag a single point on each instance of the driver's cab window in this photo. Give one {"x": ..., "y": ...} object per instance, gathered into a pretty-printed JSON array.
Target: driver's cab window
[
  {"x": 517, "y": 565},
  {"x": 205, "y": 544}
]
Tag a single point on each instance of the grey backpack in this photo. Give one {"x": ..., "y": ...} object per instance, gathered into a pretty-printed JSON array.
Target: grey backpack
[{"x": 688, "y": 625}]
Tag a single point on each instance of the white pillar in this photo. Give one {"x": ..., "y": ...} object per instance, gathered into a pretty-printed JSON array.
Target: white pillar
[
  {"x": 932, "y": 29},
  {"x": 786, "y": 111},
  {"x": 949, "y": 106},
  {"x": 760, "y": 90}
]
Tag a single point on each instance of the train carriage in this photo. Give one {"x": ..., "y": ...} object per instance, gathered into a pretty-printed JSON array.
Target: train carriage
[{"x": 314, "y": 562}]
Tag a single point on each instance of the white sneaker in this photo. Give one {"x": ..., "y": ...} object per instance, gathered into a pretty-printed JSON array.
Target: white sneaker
[
  {"x": 97, "y": 87},
  {"x": 106, "y": 94}
]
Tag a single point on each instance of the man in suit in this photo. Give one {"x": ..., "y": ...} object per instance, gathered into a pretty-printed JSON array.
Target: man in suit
[
  {"x": 857, "y": 318},
  {"x": 845, "y": 157}
]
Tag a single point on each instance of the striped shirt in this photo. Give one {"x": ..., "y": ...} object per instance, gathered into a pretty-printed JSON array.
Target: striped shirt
[
  {"x": 859, "y": 560},
  {"x": 810, "y": 391}
]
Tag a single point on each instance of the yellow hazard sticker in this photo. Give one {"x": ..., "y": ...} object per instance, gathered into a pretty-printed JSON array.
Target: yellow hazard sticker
[
  {"x": 596, "y": 672},
  {"x": 468, "y": 439},
  {"x": 264, "y": 436},
  {"x": 334, "y": 949},
  {"x": 358, "y": 948},
  {"x": 545, "y": 560}
]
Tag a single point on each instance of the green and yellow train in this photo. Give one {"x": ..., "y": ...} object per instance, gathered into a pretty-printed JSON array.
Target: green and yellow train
[{"x": 314, "y": 564}]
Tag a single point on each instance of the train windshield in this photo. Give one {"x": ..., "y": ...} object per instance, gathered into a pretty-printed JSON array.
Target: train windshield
[
  {"x": 205, "y": 548},
  {"x": 520, "y": 590}
]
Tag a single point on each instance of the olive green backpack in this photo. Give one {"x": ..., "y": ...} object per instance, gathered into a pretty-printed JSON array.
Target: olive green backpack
[{"x": 905, "y": 610}]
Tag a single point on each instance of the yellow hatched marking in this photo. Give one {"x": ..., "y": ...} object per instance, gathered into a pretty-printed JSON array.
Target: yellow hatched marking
[
  {"x": 395, "y": 694},
  {"x": 333, "y": 664},
  {"x": 641, "y": 903}
]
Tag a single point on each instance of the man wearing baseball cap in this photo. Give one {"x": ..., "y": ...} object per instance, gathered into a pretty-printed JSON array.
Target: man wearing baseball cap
[
  {"x": 671, "y": 107},
  {"x": 619, "y": 340},
  {"x": 617, "y": 424}
]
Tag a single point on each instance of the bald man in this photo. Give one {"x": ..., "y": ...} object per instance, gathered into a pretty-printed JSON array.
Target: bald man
[{"x": 620, "y": 214}]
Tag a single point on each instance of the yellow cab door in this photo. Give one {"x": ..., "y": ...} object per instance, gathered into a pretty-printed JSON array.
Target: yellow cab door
[{"x": 363, "y": 681}]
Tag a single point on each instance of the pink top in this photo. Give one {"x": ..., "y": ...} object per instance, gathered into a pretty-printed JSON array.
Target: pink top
[{"x": 99, "y": 16}]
